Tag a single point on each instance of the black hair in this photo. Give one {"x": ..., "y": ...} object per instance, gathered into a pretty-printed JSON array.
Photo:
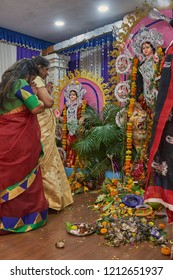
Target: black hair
[
  {"x": 73, "y": 91},
  {"x": 22, "y": 69},
  {"x": 42, "y": 61}
]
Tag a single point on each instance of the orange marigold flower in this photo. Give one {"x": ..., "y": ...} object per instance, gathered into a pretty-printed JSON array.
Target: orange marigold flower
[
  {"x": 166, "y": 250},
  {"x": 103, "y": 230},
  {"x": 161, "y": 226}
]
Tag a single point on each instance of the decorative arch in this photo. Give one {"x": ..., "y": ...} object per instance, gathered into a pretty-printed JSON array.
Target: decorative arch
[{"x": 97, "y": 92}]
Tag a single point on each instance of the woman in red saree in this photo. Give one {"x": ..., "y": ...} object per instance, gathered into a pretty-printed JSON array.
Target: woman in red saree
[
  {"x": 160, "y": 166},
  {"x": 23, "y": 206}
]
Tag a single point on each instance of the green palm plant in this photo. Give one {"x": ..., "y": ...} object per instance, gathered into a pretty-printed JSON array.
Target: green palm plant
[{"x": 100, "y": 141}]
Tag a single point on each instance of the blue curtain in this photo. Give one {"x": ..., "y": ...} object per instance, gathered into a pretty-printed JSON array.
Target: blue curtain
[
  {"x": 74, "y": 61},
  {"x": 26, "y": 53},
  {"x": 104, "y": 41},
  {"x": 20, "y": 39}
]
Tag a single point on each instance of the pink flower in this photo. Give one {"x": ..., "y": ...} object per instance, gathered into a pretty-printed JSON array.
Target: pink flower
[{"x": 57, "y": 113}]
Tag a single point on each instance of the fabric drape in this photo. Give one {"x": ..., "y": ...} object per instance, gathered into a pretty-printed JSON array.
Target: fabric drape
[
  {"x": 56, "y": 185},
  {"x": 160, "y": 166},
  {"x": 23, "y": 206}
]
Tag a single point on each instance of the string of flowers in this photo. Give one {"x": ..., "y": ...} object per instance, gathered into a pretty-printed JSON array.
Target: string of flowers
[
  {"x": 83, "y": 107},
  {"x": 128, "y": 156},
  {"x": 64, "y": 129},
  {"x": 158, "y": 65}
]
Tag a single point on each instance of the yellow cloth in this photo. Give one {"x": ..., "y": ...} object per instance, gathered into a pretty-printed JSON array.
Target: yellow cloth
[
  {"x": 39, "y": 82},
  {"x": 55, "y": 182},
  {"x": 56, "y": 186}
]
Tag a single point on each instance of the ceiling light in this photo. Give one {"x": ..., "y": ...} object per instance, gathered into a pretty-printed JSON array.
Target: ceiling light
[
  {"x": 103, "y": 8},
  {"x": 59, "y": 23}
]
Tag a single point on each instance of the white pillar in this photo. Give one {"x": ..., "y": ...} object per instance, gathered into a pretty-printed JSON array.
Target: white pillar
[{"x": 58, "y": 67}]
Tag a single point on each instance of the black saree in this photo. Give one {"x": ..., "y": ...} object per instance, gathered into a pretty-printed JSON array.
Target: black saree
[{"x": 159, "y": 186}]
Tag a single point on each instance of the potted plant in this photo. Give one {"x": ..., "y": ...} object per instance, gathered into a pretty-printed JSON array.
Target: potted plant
[{"x": 100, "y": 142}]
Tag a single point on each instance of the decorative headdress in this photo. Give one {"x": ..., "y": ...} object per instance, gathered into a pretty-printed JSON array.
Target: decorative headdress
[
  {"x": 76, "y": 86},
  {"x": 146, "y": 35}
]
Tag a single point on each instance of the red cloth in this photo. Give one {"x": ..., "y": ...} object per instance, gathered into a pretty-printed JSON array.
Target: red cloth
[{"x": 20, "y": 150}]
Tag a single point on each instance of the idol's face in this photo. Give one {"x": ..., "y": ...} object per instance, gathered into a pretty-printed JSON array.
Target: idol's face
[
  {"x": 73, "y": 95},
  {"x": 147, "y": 49}
]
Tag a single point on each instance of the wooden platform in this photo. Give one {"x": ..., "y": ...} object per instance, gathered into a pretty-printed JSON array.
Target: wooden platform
[{"x": 40, "y": 244}]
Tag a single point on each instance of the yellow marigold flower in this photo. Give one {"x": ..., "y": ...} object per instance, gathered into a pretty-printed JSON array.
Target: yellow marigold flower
[
  {"x": 122, "y": 205},
  {"x": 104, "y": 223},
  {"x": 159, "y": 50},
  {"x": 132, "y": 100},
  {"x": 114, "y": 180},
  {"x": 130, "y": 180},
  {"x": 137, "y": 192},
  {"x": 85, "y": 189},
  {"x": 129, "y": 140}
]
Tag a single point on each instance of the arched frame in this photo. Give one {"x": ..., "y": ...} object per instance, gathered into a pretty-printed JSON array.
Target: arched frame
[{"x": 97, "y": 93}]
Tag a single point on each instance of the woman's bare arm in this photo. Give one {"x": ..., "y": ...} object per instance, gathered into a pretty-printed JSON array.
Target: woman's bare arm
[{"x": 45, "y": 97}]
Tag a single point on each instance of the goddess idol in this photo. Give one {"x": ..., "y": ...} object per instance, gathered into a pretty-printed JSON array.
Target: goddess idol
[{"x": 73, "y": 112}]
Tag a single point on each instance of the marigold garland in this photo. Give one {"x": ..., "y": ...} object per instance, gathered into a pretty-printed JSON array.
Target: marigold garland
[
  {"x": 128, "y": 156},
  {"x": 64, "y": 129}
]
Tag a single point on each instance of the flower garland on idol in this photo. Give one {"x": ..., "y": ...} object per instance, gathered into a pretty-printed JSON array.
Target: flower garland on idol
[
  {"x": 128, "y": 156},
  {"x": 134, "y": 171},
  {"x": 64, "y": 129}
]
